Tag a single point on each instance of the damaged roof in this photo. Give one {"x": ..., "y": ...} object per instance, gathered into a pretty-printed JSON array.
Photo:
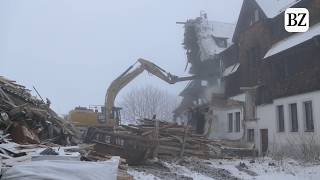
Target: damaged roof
[
  {"x": 221, "y": 29},
  {"x": 213, "y": 36},
  {"x": 272, "y": 8},
  {"x": 294, "y": 40}
]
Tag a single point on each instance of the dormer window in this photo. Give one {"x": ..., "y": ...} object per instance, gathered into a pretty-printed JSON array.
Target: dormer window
[{"x": 255, "y": 17}]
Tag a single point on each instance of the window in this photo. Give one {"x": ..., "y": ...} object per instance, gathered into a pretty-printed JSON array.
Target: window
[
  {"x": 253, "y": 55},
  {"x": 250, "y": 135},
  {"x": 237, "y": 121},
  {"x": 308, "y": 116},
  {"x": 250, "y": 106},
  {"x": 294, "y": 117},
  {"x": 230, "y": 118},
  {"x": 280, "y": 117},
  {"x": 256, "y": 15}
]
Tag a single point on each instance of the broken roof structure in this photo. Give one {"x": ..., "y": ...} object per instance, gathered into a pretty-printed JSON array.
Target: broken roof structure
[
  {"x": 212, "y": 36},
  {"x": 204, "y": 40}
]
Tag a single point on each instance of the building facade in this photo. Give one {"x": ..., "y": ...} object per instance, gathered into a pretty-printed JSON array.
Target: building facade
[{"x": 270, "y": 78}]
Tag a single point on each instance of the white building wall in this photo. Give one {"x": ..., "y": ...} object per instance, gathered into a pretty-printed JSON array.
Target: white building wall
[
  {"x": 267, "y": 119},
  {"x": 220, "y": 125},
  {"x": 266, "y": 116}
]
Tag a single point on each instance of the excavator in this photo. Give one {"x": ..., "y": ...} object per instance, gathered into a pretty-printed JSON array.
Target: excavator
[
  {"x": 111, "y": 137},
  {"x": 110, "y": 116},
  {"x": 112, "y": 113}
]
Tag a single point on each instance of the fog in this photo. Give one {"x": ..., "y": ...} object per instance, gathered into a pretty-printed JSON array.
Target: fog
[{"x": 71, "y": 50}]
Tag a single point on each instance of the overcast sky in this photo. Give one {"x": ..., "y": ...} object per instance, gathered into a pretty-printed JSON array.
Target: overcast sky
[{"x": 70, "y": 50}]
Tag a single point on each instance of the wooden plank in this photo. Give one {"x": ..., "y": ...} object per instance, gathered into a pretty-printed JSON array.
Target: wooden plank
[
  {"x": 161, "y": 128},
  {"x": 156, "y": 138},
  {"x": 184, "y": 141}
]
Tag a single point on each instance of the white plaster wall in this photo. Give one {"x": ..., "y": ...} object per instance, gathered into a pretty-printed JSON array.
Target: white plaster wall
[
  {"x": 267, "y": 119},
  {"x": 220, "y": 125}
]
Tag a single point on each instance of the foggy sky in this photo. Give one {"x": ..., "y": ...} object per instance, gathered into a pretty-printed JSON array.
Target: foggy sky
[{"x": 70, "y": 50}]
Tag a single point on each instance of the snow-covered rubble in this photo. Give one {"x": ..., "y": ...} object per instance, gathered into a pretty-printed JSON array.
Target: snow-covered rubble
[
  {"x": 267, "y": 168},
  {"x": 258, "y": 169}
]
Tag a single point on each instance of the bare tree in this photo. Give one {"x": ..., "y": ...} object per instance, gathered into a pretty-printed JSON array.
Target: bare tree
[{"x": 144, "y": 102}]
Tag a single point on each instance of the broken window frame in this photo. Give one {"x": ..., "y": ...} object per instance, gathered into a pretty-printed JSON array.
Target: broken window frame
[
  {"x": 308, "y": 116},
  {"x": 280, "y": 118}
]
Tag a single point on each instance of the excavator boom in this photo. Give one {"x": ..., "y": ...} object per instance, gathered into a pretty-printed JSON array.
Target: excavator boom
[{"x": 112, "y": 114}]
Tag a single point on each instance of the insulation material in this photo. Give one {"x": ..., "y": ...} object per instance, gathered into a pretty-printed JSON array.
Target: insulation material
[{"x": 64, "y": 170}]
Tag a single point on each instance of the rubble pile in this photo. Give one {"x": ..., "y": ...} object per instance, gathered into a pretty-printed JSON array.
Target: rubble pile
[
  {"x": 178, "y": 140},
  {"x": 31, "y": 120},
  {"x": 175, "y": 140},
  {"x": 154, "y": 138}
]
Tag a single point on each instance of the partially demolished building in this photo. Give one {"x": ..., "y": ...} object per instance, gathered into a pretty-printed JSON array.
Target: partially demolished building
[
  {"x": 266, "y": 80},
  {"x": 203, "y": 41}
]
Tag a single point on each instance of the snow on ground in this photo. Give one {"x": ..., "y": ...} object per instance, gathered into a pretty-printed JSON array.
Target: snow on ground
[
  {"x": 257, "y": 169},
  {"x": 266, "y": 169},
  {"x": 184, "y": 171},
  {"x": 141, "y": 175}
]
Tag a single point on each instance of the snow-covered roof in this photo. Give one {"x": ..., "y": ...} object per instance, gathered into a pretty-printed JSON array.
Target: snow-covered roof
[
  {"x": 221, "y": 29},
  {"x": 294, "y": 40},
  {"x": 231, "y": 69},
  {"x": 272, "y": 8},
  {"x": 207, "y": 31}
]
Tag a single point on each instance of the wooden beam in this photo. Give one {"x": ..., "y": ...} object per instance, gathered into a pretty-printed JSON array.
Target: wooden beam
[{"x": 184, "y": 140}]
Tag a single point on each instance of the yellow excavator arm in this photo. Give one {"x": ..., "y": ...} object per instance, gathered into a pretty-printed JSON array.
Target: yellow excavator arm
[{"x": 112, "y": 114}]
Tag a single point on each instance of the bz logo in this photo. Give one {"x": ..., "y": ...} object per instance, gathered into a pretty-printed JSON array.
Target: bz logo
[{"x": 296, "y": 20}]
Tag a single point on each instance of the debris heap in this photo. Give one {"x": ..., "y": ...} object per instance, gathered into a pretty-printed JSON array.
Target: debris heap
[
  {"x": 177, "y": 140},
  {"x": 154, "y": 138},
  {"x": 30, "y": 120}
]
